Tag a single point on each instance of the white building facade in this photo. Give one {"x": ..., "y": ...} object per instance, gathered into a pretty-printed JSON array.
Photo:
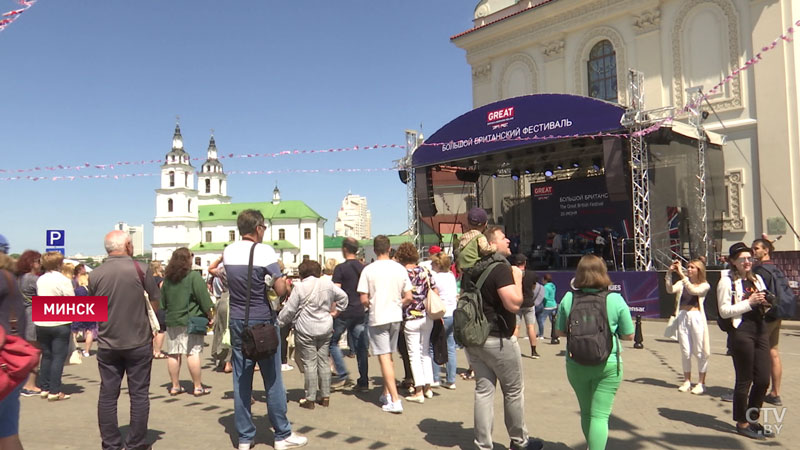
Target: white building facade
[
  {"x": 204, "y": 219},
  {"x": 586, "y": 47},
  {"x": 137, "y": 236},
  {"x": 354, "y": 219}
]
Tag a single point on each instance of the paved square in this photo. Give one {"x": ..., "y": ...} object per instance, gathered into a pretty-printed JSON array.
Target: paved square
[{"x": 649, "y": 412}]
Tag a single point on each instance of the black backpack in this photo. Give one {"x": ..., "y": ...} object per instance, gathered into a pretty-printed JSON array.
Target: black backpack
[
  {"x": 785, "y": 301},
  {"x": 589, "y": 339}
]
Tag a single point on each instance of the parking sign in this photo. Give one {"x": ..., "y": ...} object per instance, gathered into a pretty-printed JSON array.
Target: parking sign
[{"x": 54, "y": 238}]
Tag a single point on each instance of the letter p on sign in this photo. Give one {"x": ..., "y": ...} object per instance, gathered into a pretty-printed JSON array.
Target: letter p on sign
[{"x": 55, "y": 238}]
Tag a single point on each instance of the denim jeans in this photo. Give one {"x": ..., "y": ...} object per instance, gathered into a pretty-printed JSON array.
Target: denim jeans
[
  {"x": 451, "y": 354},
  {"x": 243, "y": 388},
  {"x": 539, "y": 309},
  {"x": 55, "y": 348},
  {"x": 135, "y": 364},
  {"x": 356, "y": 328}
]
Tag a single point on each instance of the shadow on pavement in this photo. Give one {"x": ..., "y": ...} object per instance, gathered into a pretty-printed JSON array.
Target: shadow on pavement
[
  {"x": 153, "y": 436},
  {"x": 72, "y": 389},
  {"x": 446, "y": 434},
  {"x": 697, "y": 419},
  {"x": 264, "y": 433},
  {"x": 653, "y": 382}
]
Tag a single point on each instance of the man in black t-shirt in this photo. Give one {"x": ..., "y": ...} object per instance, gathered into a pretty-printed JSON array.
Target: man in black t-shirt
[
  {"x": 353, "y": 319},
  {"x": 498, "y": 359}
]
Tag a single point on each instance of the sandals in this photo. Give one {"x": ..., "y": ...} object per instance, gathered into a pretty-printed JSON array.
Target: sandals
[
  {"x": 175, "y": 391},
  {"x": 160, "y": 355},
  {"x": 201, "y": 391}
]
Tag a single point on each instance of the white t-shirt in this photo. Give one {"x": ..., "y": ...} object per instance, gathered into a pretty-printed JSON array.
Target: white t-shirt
[
  {"x": 54, "y": 284},
  {"x": 448, "y": 290},
  {"x": 384, "y": 281}
]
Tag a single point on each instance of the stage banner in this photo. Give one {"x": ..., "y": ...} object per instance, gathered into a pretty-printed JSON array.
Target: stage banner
[
  {"x": 579, "y": 210},
  {"x": 516, "y": 122},
  {"x": 639, "y": 289}
]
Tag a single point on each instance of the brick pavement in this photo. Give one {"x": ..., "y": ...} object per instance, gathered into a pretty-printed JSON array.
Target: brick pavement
[{"x": 649, "y": 412}]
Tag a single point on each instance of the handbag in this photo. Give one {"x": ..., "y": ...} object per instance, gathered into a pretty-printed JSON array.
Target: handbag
[
  {"x": 261, "y": 340},
  {"x": 439, "y": 342},
  {"x": 671, "y": 331},
  {"x": 434, "y": 306},
  {"x": 197, "y": 325},
  {"x": 17, "y": 360},
  {"x": 151, "y": 314}
]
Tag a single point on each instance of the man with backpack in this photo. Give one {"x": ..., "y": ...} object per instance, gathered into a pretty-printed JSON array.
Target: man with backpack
[
  {"x": 498, "y": 296},
  {"x": 784, "y": 308}
]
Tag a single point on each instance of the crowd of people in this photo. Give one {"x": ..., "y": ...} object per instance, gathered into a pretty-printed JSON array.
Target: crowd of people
[{"x": 383, "y": 308}]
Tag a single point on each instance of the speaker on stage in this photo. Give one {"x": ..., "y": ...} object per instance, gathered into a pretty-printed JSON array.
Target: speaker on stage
[
  {"x": 615, "y": 169},
  {"x": 424, "y": 192}
]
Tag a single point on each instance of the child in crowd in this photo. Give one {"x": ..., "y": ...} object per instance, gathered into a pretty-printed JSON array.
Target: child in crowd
[{"x": 473, "y": 245}]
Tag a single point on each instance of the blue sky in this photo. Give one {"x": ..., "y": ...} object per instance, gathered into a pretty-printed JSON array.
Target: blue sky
[{"x": 102, "y": 82}]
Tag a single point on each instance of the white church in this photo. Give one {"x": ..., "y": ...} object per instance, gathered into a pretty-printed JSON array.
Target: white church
[{"x": 203, "y": 219}]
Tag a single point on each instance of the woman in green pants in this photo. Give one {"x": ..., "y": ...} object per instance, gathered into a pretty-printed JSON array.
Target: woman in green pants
[{"x": 596, "y": 385}]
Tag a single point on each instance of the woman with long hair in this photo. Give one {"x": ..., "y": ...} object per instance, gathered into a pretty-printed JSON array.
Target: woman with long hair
[
  {"x": 183, "y": 297},
  {"x": 690, "y": 293},
  {"x": 54, "y": 337},
  {"x": 595, "y": 385},
  {"x": 741, "y": 296},
  {"x": 418, "y": 325},
  {"x": 29, "y": 267},
  {"x": 158, "y": 340},
  {"x": 448, "y": 291}
]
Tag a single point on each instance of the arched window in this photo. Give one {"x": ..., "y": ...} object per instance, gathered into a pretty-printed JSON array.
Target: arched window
[
  {"x": 208, "y": 236},
  {"x": 186, "y": 179},
  {"x": 169, "y": 205},
  {"x": 281, "y": 234},
  {"x": 208, "y": 185},
  {"x": 171, "y": 179},
  {"x": 220, "y": 186},
  {"x": 189, "y": 206},
  {"x": 602, "y": 71}
]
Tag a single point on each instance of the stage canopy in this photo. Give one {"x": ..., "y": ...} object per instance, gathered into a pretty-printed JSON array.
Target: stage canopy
[{"x": 517, "y": 122}]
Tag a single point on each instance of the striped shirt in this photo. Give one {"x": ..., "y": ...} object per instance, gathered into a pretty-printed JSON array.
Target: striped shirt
[{"x": 265, "y": 262}]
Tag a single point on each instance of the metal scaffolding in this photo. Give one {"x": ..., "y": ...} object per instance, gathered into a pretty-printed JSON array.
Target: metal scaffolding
[
  {"x": 635, "y": 119},
  {"x": 700, "y": 224},
  {"x": 413, "y": 139}
]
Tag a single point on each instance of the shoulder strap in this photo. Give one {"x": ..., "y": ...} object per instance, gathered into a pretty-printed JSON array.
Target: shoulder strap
[
  {"x": 139, "y": 271},
  {"x": 485, "y": 275},
  {"x": 249, "y": 284}
]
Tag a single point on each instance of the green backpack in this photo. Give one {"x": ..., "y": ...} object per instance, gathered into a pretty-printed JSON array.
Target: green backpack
[{"x": 470, "y": 326}]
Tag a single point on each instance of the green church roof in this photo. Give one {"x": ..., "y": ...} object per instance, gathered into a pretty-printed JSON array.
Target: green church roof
[
  {"x": 219, "y": 246},
  {"x": 287, "y": 209}
]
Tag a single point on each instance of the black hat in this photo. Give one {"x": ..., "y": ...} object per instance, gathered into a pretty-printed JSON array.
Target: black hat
[{"x": 737, "y": 248}]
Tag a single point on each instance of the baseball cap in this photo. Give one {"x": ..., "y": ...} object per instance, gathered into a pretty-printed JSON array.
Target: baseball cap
[
  {"x": 737, "y": 248},
  {"x": 4, "y": 246},
  {"x": 434, "y": 249},
  {"x": 477, "y": 216}
]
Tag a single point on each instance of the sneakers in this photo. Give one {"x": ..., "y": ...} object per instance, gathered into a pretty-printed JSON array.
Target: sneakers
[
  {"x": 339, "y": 383},
  {"x": 385, "y": 399},
  {"x": 451, "y": 386},
  {"x": 428, "y": 393},
  {"x": 44, "y": 394},
  {"x": 685, "y": 386},
  {"x": 293, "y": 441},
  {"x": 762, "y": 431},
  {"x": 773, "y": 400},
  {"x": 393, "y": 407},
  {"x": 435, "y": 384},
  {"x": 698, "y": 389},
  {"x": 751, "y": 432},
  {"x": 532, "y": 444},
  {"x": 727, "y": 397},
  {"x": 286, "y": 368},
  {"x": 361, "y": 387},
  {"x": 535, "y": 355}
]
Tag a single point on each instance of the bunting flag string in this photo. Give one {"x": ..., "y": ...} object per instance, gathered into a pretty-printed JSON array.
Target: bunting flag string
[
  {"x": 112, "y": 166},
  {"x": 106, "y": 176},
  {"x": 7, "y": 18}
]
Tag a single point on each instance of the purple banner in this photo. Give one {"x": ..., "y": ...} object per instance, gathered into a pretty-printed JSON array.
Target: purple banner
[
  {"x": 517, "y": 122},
  {"x": 639, "y": 289}
]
